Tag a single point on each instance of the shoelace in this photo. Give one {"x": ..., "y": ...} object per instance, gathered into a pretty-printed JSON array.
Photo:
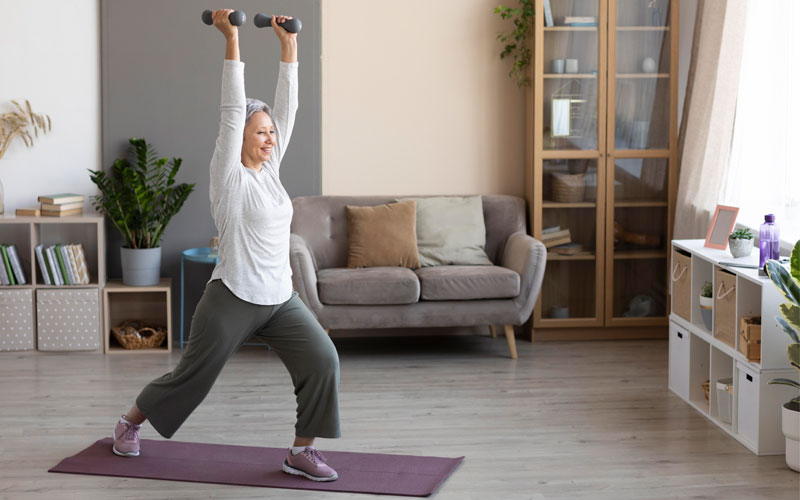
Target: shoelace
[
  {"x": 315, "y": 456},
  {"x": 131, "y": 432}
]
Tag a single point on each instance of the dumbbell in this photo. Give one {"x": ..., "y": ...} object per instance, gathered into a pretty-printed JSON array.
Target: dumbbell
[
  {"x": 291, "y": 25},
  {"x": 237, "y": 17}
]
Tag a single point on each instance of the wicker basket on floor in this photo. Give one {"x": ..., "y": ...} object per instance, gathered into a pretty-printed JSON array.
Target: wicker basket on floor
[
  {"x": 133, "y": 334},
  {"x": 706, "y": 385}
]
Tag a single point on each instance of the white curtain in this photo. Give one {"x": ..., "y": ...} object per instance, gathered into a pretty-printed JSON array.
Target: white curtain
[
  {"x": 764, "y": 174},
  {"x": 709, "y": 111}
]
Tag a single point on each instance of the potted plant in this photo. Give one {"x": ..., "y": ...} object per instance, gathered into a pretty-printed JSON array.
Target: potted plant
[
  {"x": 789, "y": 320},
  {"x": 19, "y": 123},
  {"x": 140, "y": 197},
  {"x": 707, "y": 303},
  {"x": 741, "y": 243},
  {"x": 516, "y": 42}
]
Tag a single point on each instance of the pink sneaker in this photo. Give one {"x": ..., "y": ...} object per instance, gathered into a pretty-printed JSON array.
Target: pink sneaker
[
  {"x": 126, "y": 439},
  {"x": 309, "y": 463}
]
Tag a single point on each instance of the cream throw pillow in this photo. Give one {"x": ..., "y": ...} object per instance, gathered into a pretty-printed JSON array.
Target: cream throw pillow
[{"x": 451, "y": 231}]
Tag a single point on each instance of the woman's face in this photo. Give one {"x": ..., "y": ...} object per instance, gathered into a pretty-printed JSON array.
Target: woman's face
[{"x": 259, "y": 138}]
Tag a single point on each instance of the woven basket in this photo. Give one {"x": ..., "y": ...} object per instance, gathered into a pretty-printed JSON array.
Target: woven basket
[
  {"x": 705, "y": 389},
  {"x": 134, "y": 335},
  {"x": 568, "y": 188}
]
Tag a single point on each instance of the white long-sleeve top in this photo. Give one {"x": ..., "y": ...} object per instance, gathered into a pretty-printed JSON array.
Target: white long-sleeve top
[{"x": 252, "y": 210}]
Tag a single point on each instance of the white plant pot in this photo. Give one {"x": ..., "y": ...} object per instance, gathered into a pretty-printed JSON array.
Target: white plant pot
[
  {"x": 740, "y": 248},
  {"x": 791, "y": 430}
]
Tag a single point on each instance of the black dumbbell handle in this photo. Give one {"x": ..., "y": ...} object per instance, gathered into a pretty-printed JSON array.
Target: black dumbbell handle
[
  {"x": 291, "y": 25},
  {"x": 237, "y": 17}
]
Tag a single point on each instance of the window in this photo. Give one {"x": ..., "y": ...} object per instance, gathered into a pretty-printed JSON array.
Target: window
[{"x": 764, "y": 168}]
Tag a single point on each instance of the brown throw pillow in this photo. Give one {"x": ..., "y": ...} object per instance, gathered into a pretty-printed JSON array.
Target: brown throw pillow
[{"x": 383, "y": 235}]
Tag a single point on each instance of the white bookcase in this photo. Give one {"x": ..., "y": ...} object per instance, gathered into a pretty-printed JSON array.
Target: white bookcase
[
  {"x": 57, "y": 317},
  {"x": 697, "y": 355}
]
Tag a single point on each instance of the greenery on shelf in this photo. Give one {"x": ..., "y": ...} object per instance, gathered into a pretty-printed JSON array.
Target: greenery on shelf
[
  {"x": 741, "y": 234},
  {"x": 516, "y": 41},
  {"x": 140, "y": 196},
  {"x": 789, "y": 320},
  {"x": 707, "y": 290}
]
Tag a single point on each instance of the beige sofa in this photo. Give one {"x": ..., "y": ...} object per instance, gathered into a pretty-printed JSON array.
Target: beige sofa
[{"x": 398, "y": 297}]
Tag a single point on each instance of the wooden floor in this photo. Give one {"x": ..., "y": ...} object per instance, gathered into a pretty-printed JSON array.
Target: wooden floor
[{"x": 585, "y": 420}]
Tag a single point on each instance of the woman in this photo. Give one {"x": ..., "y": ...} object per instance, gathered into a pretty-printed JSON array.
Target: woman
[{"x": 250, "y": 291}]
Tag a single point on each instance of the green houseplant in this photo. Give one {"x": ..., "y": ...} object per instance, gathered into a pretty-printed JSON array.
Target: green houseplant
[
  {"x": 741, "y": 243},
  {"x": 789, "y": 320},
  {"x": 516, "y": 41},
  {"x": 140, "y": 197}
]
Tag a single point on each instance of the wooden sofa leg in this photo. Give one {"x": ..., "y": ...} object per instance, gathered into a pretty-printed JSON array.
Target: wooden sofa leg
[
  {"x": 492, "y": 331},
  {"x": 512, "y": 342}
]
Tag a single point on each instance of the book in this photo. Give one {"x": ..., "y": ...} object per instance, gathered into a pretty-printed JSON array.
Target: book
[
  {"x": 7, "y": 264},
  {"x": 549, "y": 230},
  {"x": 73, "y": 262},
  {"x": 576, "y": 25},
  {"x": 554, "y": 235},
  {"x": 67, "y": 264},
  {"x": 80, "y": 261},
  {"x": 61, "y": 266},
  {"x": 51, "y": 259},
  {"x": 42, "y": 265},
  {"x": 568, "y": 249},
  {"x": 579, "y": 19},
  {"x": 556, "y": 242},
  {"x": 61, "y": 198},
  {"x": 548, "y": 14},
  {"x": 50, "y": 213},
  {"x": 16, "y": 264},
  {"x": 28, "y": 211},
  {"x": 3, "y": 274},
  {"x": 55, "y": 207}
]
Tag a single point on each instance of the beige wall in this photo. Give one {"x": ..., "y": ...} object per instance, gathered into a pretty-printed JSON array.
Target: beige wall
[{"x": 415, "y": 100}]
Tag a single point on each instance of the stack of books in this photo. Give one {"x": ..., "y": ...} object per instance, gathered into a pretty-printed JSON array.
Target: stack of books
[
  {"x": 553, "y": 236},
  {"x": 62, "y": 264},
  {"x": 60, "y": 205},
  {"x": 580, "y": 21},
  {"x": 11, "y": 268}
]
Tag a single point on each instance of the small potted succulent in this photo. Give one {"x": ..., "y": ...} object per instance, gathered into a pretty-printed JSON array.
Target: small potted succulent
[
  {"x": 706, "y": 303},
  {"x": 741, "y": 243}
]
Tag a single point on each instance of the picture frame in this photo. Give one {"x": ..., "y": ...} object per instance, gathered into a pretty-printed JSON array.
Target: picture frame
[{"x": 721, "y": 226}]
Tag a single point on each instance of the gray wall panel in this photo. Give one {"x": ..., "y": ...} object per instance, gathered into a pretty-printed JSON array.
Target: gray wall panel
[{"x": 161, "y": 70}]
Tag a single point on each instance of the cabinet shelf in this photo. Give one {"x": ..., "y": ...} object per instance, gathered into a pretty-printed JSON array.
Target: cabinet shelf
[
  {"x": 642, "y": 28},
  {"x": 639, "y": 203},
  {"x": 569, "y": 75},
  {"x": 552, "y": 256},
  {"x": 640, "y": 254},
  {"x": 570, "y": 28},
  {"x": 642, "y": 75},
  {"x": 579, "y": 204}
]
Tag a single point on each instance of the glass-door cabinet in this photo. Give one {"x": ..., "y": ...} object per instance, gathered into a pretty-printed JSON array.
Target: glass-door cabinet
[{"x": 602, "y": 111}]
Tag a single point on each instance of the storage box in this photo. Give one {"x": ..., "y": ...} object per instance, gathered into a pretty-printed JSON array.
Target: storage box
[
  {"x": 750, "y": 337},
  {"x": 16, "y": 320},
  {"x": 725, "y": 399},
  {"x": 725, "y": 307},
  {"x": 68, "y": 320},
  {"x": 681, "y": 284}
]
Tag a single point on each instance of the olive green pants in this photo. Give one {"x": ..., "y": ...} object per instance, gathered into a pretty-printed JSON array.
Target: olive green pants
[{"x": 221, "y": 323}]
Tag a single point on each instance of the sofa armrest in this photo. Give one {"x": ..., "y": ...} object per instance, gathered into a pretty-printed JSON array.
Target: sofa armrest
[
  {"x": 527, "y": 257},
  {"x": 304, "y": 273}
]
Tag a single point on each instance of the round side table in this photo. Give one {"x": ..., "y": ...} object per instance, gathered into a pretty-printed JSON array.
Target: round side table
[{"x": 202, "y": 255}]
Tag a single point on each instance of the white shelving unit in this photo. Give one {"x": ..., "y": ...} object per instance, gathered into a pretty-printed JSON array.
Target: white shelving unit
[
  {"x": 696, "y": 355},
  {"x": 47, "y": 311}
]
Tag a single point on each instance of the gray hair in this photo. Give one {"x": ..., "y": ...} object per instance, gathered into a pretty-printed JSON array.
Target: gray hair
[{"x": 254, "y": 106}]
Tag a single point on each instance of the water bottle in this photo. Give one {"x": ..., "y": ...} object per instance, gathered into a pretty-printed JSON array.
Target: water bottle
[{"x": 769, "y": 243}]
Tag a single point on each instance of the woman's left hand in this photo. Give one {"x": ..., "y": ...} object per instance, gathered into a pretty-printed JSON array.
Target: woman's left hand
[{"x": 283, "y": 35}]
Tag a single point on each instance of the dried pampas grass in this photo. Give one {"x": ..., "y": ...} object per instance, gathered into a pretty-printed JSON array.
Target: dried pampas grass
[{"x": 20, "y": 123}]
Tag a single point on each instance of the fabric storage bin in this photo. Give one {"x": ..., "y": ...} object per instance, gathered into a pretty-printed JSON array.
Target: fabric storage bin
[
  {"x": 68, "y": 320},
  {"x": 681, "y": 284},
  {"x": 16, "y": 320},
  {"x": 725, "y": 307}
]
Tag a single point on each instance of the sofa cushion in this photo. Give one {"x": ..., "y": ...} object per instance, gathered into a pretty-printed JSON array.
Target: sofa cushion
[
  {"x": 467, "y": 282},
  {"x": 451, "y": 231},
  {"x": 383, "y": 235},
  {"x": 372, "y": 285}
]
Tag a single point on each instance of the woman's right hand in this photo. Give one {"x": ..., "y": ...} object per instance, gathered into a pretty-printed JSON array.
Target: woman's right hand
[{"x": 223, "y": 23}]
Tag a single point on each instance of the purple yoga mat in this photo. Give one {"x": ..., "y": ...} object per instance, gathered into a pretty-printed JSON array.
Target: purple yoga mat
[{"x": 374, "y": 473}]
